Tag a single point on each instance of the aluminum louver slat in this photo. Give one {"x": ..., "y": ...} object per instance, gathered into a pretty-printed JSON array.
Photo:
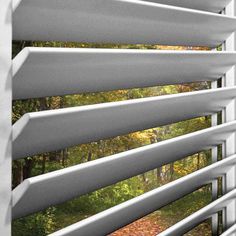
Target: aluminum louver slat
[
  {"x": 40, "y": 72},
  {"x": 127, "y": 21},
  {"x": 127, "y": 212},
  {"x": 41, "y": 131},
  {"x": 230, "y": 231},
  {"x": 209, "y": 5},
  {"x": 69, "y": 182}
]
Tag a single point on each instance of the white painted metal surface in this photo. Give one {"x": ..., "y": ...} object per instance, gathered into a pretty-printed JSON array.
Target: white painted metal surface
[
  {"x": 127, "y": 212},
  {"x": 230, "y": 231},
  {"x": 230, "y": 115},
  {"x": 5, "y": 116},
  {"x": 209, "y": 5},
  {"x": 69, "y": 183},
  {"x": 215, "y": 183},
  {"x": 52, "y": 130},
  {"x": 40, "y": 72},
  {"x": 118, "y": 21}
]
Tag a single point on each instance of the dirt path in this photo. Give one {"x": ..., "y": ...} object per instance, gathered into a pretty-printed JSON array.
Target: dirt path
[
  {"x": 155, "y": 224},
  {"x": 147, "y": 226}
]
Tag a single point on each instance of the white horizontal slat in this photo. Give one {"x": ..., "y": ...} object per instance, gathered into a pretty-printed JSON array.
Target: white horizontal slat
[
  {"x": 230, "y": 231},
  {"x": 70, "y": 182},
  {"x": 198, "y": 217},
  {"x": 116, "y": 217},
  {"x": 40, "y": 72},
  {"x": 53, "y": 130},
  {"x": 204, "y": 5},
  {"x": 118, "y": 21}
]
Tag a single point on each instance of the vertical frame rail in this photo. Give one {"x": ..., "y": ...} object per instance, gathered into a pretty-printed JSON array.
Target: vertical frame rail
[
  {"x": 214, "y": 158},
  {"x": 230, "y": 115},
  {"x": 5, "y": 115}
]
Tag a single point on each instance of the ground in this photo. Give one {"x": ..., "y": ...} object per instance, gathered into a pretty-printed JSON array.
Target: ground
[{"x": 148, "y": 226}]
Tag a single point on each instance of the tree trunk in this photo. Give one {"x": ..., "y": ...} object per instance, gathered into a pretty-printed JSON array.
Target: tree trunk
[
  {"x": 43, "y": 164},
  {"x": 17, "y": 177},
  {"x": 89, "y": 156},
  {"x": 198, "y": 161},
  {"x": 171, "y": 171},
  {"x": 27, "y": 168},
  {"x": 64, "y": 156}
]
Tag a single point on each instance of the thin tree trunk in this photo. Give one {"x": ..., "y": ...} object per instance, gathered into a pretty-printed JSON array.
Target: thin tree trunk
[
  {"x": 27, "y": 168},
  {"x": 144, "y": 178},
  {"x": 89, "y": 156},
  {"x": 198, "y": 161},
  {"x": 158, "y": 174},
  {"x": 64, "y": 156},
  {"x": 17, "y": 174},
  {"x": 43, "y": 164},
  {"x": 171, "y": 171}
]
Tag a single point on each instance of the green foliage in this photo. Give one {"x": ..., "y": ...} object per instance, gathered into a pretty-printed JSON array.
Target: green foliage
[
  {"x": 105, "y": 198},
  {"x": 188, "y": 204},
  {"x": 36, "y": 225}
]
